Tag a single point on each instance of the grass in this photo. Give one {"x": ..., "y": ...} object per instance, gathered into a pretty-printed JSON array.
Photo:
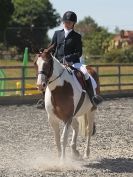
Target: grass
[{"x": 102, "y": 70}]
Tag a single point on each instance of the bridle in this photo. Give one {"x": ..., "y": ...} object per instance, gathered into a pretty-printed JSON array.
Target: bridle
[
  {"x": 57, "y": 77},
  {"x": 49, "y": 74}
]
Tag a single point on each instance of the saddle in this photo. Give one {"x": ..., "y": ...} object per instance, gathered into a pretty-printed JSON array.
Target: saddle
[{"x": 79, "y": 75}]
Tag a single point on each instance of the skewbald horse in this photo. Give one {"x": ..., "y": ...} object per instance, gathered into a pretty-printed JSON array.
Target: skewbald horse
[{"x": 65, "y": 101}]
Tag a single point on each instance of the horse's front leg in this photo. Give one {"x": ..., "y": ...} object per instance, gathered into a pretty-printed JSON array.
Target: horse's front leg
[
  {"x": 55, "y": 126},
  {"x": 75, "y": 127},
  {"x": 64, "y": 138}
]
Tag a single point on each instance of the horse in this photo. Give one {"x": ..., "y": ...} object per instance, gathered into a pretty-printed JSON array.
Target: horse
[{"x": 66, "y": 101}]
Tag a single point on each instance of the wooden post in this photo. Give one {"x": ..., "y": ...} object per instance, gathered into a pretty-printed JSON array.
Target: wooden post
[
  {"x": 23, "y": 81},
  {"x": 119, "y": 77}
]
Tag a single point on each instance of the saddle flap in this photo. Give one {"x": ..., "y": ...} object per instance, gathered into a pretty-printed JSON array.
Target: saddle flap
[
  {"x": 78, "y": 74},
  {"x": 81, "y": 78}
]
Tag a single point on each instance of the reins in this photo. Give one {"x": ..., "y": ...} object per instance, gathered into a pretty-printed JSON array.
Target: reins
[
  {"x": 49, "y": 82},
  {"x": 57, "y": 77}
]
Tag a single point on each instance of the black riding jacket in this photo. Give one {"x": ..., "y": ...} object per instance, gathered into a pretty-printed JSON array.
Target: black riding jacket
[{"x": 69, "y": 48}]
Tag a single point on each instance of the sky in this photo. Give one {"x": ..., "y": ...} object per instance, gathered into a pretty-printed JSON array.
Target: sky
[{"x": 107, "y": 13}]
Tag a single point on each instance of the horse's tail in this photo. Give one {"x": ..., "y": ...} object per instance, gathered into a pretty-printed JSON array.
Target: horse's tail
[{"x": 86, "y": 123}]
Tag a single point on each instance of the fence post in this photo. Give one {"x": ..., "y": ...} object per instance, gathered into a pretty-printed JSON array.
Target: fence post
[
  {"x": 23, "y": 81},
  {"x": 2, "y": 82},
  {"x": 119, "y": 77}
]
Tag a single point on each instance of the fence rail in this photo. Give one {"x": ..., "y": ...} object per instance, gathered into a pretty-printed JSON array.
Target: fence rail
[{"x": 119, "y": 72}]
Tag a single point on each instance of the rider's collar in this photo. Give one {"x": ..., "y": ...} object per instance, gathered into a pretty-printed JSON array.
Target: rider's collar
[{"x": 67, "y": 32}]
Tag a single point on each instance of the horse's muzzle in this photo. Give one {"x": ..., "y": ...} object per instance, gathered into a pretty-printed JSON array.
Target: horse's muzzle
[{"x": 41, "y": 87}]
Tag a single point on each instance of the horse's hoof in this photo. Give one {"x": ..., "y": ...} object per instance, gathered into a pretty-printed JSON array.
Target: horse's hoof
[
  {"x": 76, "y": 155},
  {"x": 86, "y": 155}
]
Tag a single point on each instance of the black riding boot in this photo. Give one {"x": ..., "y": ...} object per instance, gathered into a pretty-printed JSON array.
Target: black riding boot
[{"x": 95, "y": 99}]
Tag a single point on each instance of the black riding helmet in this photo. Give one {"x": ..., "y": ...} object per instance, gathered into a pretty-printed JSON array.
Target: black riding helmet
[{"x": 69, "y": 16}]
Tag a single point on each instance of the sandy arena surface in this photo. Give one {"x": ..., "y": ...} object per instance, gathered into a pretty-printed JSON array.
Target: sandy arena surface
[{"x": 27, "y": 146}]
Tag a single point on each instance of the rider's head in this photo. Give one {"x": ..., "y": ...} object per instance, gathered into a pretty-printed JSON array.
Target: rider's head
[{"x": 69, "y": 19}]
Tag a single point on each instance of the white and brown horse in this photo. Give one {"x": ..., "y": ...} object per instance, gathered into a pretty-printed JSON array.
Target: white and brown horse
[{"x": 66, "y": 101}]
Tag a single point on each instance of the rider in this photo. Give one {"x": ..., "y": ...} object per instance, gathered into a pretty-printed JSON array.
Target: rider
[{"x": 68, "y": 49}]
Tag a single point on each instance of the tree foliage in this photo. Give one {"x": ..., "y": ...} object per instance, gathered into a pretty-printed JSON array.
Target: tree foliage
[
  {"x": 31, "y": 19},
  {"x": 6, "y": 10},
  {"x": 94, "y": 44},
  {"x": 86, "y": 26},
  {"x": 95, "y": 38},
  {"x": 38, "y": 13},
  {"x": 119, "y": 56}
]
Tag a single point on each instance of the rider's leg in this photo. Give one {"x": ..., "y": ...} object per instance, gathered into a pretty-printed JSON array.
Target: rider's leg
[
  {"x": 91, "y": 85},
  {"x": 95, "y": 99}
]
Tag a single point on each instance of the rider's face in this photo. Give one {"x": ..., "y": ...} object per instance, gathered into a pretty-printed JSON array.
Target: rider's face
[{"x": 68, "y": 25}]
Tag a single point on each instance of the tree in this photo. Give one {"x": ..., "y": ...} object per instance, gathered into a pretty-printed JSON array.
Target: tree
[
  {"x": 120, "y": 56},
  {"x": 87, "y": 25},
  {"x": 94, "y": 37},
  {"x": 31, "y": 19},
  {"x": 6, "y": 10},
  {"x": 94, "y": 43}
]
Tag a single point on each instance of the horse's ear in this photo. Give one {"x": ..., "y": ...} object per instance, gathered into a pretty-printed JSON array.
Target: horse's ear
[{"x": 50, "y": 48}]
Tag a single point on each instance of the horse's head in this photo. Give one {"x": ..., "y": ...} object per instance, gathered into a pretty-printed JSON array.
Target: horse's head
[{"x": 44, "y": 66}]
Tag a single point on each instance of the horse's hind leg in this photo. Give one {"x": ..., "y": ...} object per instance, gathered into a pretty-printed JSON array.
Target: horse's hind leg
[
  {"x": 55, "y": 126},
  {"x": 75, "y": 127},
  {"x": 91, "y": 116}
]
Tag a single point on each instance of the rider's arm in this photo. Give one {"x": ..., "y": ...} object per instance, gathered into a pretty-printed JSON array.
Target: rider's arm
[{"x": 77, "y": 52}]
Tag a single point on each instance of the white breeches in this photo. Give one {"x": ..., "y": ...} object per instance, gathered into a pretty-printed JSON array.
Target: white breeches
[{"x": 87, "y": 75}]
